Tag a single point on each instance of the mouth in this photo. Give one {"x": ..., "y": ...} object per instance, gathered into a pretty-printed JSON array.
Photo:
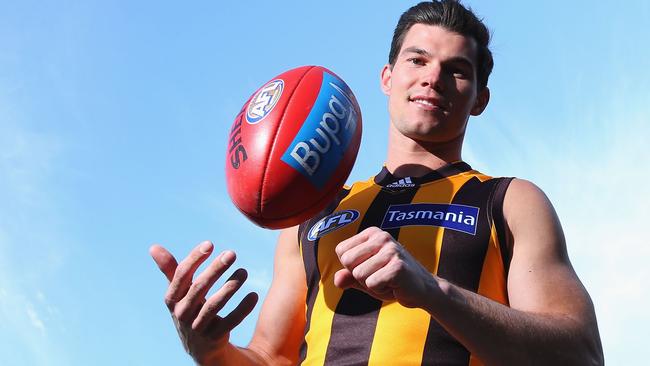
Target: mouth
[{"x": 428, "y": 103}]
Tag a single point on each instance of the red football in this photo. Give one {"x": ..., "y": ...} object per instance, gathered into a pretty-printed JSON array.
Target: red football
[{"x": 292, "y": 146}]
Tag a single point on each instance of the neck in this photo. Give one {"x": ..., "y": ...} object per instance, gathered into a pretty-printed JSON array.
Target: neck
[{"x": 415, "y": 158}]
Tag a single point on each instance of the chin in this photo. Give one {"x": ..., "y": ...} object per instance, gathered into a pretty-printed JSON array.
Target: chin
[
  {"x": 422, "y": 130},
  {"x": 425, "y": 130},
  {"x": 433, "y": 135}
]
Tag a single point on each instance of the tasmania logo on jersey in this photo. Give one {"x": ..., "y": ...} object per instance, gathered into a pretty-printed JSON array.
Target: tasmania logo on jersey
[
  {"x": 450, "y": 216},
  {"x": 263, "y": 102},
  {"x": 332, "y": 222}
]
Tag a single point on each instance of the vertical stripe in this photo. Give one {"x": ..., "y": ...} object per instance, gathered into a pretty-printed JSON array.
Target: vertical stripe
[
  {"x": 354, "y": 323},
  {"x": 493, "y": 283},
  {"x": 327, "y": 295},
  {"x": 493, "y": 277},
  {"x": 499, "y": 220},
  {"x": 461, "y": 261},
  {"x": 423, "y": 243},
  {"x": 310, "y": 259}
]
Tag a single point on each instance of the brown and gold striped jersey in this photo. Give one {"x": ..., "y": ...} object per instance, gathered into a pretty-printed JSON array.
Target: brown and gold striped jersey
[{"x": 450, "y": 220}]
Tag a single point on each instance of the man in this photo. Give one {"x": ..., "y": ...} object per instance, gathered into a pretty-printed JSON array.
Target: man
[{"x": 429, "y": 262}]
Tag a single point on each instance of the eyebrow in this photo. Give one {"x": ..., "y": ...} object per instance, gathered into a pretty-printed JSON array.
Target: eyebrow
[
  {"x": 457, "y": 59},
  {"x": 419, "y": 51}
]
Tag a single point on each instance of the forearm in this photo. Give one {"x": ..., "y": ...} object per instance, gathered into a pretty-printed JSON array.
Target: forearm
[
  {"x": 500, "y": 335},
  {"x": 233, "y": 355}
]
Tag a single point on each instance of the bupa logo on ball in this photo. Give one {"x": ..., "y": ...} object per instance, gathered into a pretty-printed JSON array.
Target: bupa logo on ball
[
  {"x": 332, "y": 222},
  {"x": 263, "y": 102},
  {"x": 451, "y": 216},
  {"x": 319, "y": 146}
]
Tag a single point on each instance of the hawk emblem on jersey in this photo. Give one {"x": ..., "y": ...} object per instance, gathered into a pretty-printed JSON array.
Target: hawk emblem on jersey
[
  {"x": 450, "y": 216},
  {"x": 332, "y": 222}
]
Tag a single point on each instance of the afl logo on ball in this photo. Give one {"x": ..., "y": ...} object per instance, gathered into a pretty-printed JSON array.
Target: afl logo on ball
[{"x": 263, "y": 102}]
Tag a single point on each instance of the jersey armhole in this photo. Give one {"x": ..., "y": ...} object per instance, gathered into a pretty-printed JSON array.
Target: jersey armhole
[{"x": 499, "y": 221}]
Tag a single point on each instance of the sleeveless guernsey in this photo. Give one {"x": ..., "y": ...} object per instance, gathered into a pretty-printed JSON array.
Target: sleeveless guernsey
[{"x": 450, "y": 220}]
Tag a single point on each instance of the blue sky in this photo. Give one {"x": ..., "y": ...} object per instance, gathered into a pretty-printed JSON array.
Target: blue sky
[{"x": 113, "y": 129}]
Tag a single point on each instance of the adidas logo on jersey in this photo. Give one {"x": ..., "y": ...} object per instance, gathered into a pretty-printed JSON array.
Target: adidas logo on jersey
[{"x": 402, "y": 183}]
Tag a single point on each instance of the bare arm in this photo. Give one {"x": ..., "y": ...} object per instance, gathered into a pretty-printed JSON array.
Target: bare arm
[
  {"x": 280, "y": 327},
  {"x": 551, "y": 320},
  {"x": 205, "y": 335}
]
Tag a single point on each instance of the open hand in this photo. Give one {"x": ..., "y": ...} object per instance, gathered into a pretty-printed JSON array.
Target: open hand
[{"x": 202, "y": 331}]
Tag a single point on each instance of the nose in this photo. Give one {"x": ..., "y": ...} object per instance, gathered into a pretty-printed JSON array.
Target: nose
[{"x": 432, "y": 77}]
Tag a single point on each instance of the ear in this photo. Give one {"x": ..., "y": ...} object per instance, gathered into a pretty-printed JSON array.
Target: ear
[
  {"x": 386, "y": 74},
  {"x": 481, "y": 102}
]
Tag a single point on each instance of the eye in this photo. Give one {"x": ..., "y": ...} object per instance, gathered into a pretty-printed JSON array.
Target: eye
[
  {"x": 415, "y": 61},
  {"x": 459, "y": 72}
]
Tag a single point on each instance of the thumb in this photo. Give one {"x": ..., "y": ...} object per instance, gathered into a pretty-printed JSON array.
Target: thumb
[
  {"x": 343, "y": 279},
  {"x": 164, "y": 259}
]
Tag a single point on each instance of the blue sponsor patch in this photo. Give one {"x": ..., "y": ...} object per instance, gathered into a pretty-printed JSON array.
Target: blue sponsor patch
[
  {"x": 332, "y": 222},
  {"x": 451, "y": 216},
  {"x": 319, "y": 146}
]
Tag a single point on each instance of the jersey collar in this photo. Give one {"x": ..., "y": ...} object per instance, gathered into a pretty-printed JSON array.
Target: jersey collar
[{"x": 386, "y": 178}]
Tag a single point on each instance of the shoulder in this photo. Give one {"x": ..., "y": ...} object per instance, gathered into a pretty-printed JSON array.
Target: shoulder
[
  {"x": 523, "y": 198},
  {"x": 287, "y": 240},
  {"x": 520, "y": 186},
  {"x": 530, "y": 216}
]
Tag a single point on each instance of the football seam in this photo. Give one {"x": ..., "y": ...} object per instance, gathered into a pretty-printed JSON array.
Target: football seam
[
  {"x": 278, "y": 220},
  {"x": 274, "y": 141},
  {"x": 336, "y": 188}
]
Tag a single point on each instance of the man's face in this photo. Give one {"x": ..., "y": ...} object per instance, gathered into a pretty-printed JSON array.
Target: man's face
[{"x": 432, "y": 86}]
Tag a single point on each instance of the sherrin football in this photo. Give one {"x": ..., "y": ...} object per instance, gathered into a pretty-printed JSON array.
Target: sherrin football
[{"x": 292, "y": 146}]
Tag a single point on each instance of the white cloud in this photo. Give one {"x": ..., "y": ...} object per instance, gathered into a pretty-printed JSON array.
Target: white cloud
[
  {"x": 34, "y": 319},
  {"x": 25, "y": 320},
  {"x": 25, "y": 315},
  {"x": 28, "y": 225},
  {"x": 592, "y": 161},
  {"x": 606, "y": 213},
  {"x": 599, "y": 186}
]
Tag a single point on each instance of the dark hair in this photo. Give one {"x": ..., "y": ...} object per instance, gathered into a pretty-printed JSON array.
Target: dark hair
[{"x": 453, "y": 16}]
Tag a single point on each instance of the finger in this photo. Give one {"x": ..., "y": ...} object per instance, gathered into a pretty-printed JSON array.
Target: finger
[
  {"x": 384, "y": 279},
  {"x": 360, "y": 253},
  {"x": 164, "y": 259},
  {"x": 372, "y": 265},
  {"x": 195, "y": 298},
  {"x": 239, "y": 313},
  {"x": 355, "y": 240},
  {"x": 217, "y": 301},
  {"x": 185, "y": 271}
]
